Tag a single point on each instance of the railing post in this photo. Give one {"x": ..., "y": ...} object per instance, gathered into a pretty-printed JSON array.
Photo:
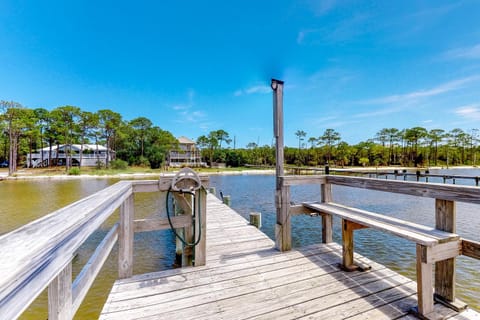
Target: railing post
[
  {"x": 445, "y": 271},
  {"x": 326, "y": 193},
  {"x": 125, "y": 239},
  {"x": 60, "y": 295},
  {"x": 445, "y": 220},
  {"x": 184, "y": 206},
  {"x": 424, "y": 280},
  {"x": 201, "y": 227}
]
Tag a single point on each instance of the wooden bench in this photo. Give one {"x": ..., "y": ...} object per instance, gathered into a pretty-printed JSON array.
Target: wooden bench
[{"x": 432, "y": 245}]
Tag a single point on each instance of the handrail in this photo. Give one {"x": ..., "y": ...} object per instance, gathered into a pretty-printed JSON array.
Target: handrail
[
  {"x": 445, "y": 219},
  {"x": 40, "y": 253},
  {"x": 461, "y": 193}
]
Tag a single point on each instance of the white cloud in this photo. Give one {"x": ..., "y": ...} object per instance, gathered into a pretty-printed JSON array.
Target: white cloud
[
  {"x": 415, "y": 95},
  {"x": 188, "y": 113},
  {"x": 238, "y": 93},
  {"x": 470, "y": 112},
  {"x": 302, "y": 34},
  {"x": 180, "y": 107},
  {"x": 260, "y": 89},
  {"x": 379, "y": 112},
  {"x": 322, "y": 7},
  {"x": 464, "y": 53}
]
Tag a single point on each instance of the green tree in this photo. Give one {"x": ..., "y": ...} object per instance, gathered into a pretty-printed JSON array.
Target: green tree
[
  {"x": 15, "y": 117},
  {"x": 382, "y": 137},
  {"x": 329, "y": 138},
  {"x": 109, "y": 124},
  {"x": 208, "y": 145},
  {"x": 414, "y": 136},
  {"x": 435, "y": 136},
  {"x": 31, "y": 132},
  {"x": 313, "y": 141},
  {"x": 158, "y": 143},
  {"x": 66, "y": 118},
  {"x": 141, "y": 126},
  {"x": 87, "y": 123},
  {"x": 300, "y": 134},
  {"x": 42, "y": 117},
  {"x": 221, "y": 135}
]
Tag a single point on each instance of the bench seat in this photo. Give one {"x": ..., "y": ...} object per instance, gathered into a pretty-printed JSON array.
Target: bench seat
[
  {"x": 432, "y": 245},
  {"x": 417, "y": 233}
]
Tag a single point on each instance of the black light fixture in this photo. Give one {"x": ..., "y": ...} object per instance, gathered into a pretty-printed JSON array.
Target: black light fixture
[{"x": 275, "y": 83}]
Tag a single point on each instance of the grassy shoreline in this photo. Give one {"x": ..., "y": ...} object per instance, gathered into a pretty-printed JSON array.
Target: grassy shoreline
[
  {"x": 131, "y": 172},
  {"x": 140, "y": 172}
]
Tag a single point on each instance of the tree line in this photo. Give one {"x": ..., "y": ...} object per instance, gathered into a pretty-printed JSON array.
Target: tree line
[
  {"x": 411, "y": 147},
  {"x": 137, "y": 142}
]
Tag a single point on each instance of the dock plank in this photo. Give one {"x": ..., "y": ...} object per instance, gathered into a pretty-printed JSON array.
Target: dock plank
[{"x": 246, "y": 278}]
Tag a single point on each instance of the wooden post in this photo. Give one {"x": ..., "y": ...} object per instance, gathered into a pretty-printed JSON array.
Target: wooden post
[
  {"x": 178, "y": 243},
  {"x": 187, "y": 208},
  {"x": 445, "y": 272},
  {"x": 445, "y": 219},
  {"x": 282, "y": 194},
  {"x": 283, "y": 241},
  {"x": 256, "y": 219},
  {"x": 125, "y": 239},
  {"x": 424, "y": 281},
  {"x": 327, "y": 223},
  {"x": 227, "y": 200},
  {"x": 201, "y": 227},
  {"x": 212, "y": 190},
  {"x": 60, "y": 295},
  {"x": 347, "y": 245}
]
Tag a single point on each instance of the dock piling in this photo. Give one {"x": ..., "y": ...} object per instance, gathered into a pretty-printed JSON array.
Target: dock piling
[
  {"x": 256, "y": 219},
  {"x": 227, "y": 200}
]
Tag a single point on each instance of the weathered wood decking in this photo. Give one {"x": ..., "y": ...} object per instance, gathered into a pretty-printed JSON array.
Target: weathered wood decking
[{"x": 246, "y": 278}]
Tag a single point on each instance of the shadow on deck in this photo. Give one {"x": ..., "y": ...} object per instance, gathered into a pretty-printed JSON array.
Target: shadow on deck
[{"x": 246, "y": 278}]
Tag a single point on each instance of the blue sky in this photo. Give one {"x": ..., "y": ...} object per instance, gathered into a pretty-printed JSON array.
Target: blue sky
[{"x": 196, "y": 66}]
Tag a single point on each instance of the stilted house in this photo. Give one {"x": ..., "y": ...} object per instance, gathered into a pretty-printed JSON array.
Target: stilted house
[
  {"x": 88, "y": 156},
  {"x": 187, "y": 154}
]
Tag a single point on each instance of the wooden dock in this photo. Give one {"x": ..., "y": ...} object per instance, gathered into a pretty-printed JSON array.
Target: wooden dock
[{"x": 245, "y": 277}]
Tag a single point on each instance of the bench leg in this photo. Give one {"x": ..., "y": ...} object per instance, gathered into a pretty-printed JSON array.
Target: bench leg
[
  {"x": 347, "y": 246},
  {"x": 327, "y": 228},
  {"x": 424, "y": 281}
]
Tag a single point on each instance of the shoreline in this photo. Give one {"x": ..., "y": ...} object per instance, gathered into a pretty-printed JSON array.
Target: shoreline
[
  {"x": 23, "y": 176},
  {"x": 137, "y": 175}
]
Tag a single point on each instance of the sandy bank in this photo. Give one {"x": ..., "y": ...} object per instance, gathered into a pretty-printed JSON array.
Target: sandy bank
[{"x": 29, "y": 176}]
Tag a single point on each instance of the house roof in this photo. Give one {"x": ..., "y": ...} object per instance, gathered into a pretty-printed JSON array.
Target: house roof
[
  {"x": 77, "y": 147},
  {"x": 185, "y": 140}
]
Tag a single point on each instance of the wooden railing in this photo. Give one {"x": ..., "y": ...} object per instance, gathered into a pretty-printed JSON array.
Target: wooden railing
[
  {"x": 386, "y": 174},
  {"x": 445, "y": 215},
  {"x": 39, "y": 254}
]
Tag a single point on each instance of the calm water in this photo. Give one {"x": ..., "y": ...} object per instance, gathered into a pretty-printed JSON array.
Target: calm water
[
  {"x": 255, "y": 193},
  {"x": 24, "y": 201}
]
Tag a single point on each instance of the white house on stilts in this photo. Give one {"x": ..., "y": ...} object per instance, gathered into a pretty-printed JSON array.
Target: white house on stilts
[{"x": 90, "y": 156}]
